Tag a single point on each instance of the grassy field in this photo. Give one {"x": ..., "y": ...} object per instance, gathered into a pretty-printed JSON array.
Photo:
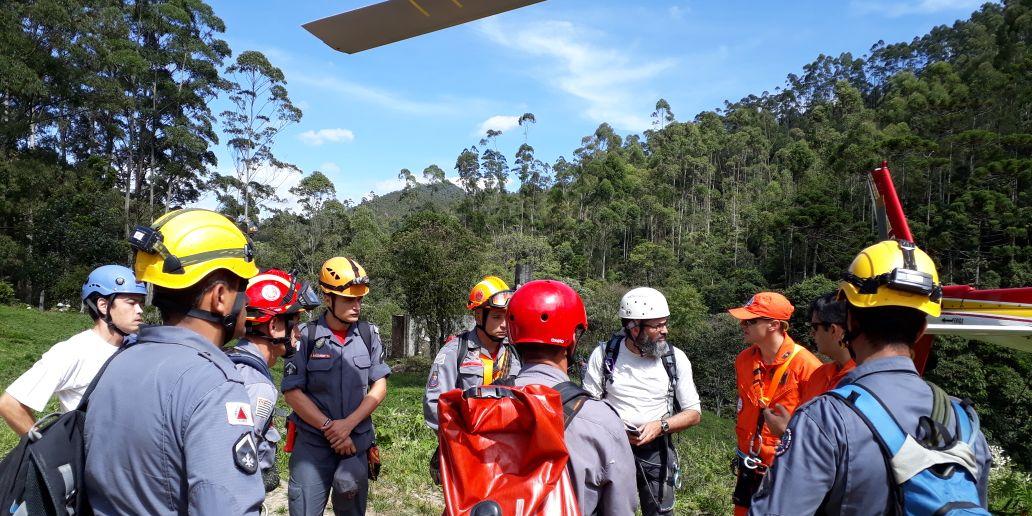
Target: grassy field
[{"x": 404, "y": 487}]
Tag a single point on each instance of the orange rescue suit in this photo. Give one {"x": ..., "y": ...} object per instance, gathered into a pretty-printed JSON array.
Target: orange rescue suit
[
  {"x": 754, "y": 384},
  {"x": 824, "y": 379}
]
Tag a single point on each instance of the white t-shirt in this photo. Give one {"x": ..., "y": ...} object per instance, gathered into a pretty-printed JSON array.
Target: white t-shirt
[
  {"x": 66, "y": 369},
  {"x": 639, "y": 388}
]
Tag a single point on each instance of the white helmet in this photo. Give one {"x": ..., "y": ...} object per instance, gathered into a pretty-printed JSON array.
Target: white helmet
[{"x": 644, "y": 303}]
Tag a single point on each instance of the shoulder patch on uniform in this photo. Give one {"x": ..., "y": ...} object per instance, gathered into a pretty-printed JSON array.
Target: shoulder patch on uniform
[
  {"x": 738, "y": 407},
  {"x": 263, "y": 407},
  {"x": 433, "y": 382},
  {"x": 376, "y": 329},
  {"x": 245, "y": 454},
  {"x": 440, "y": 359},
  {"x": 239, "y": 413},
  {"x": 784, "y": 443},
  {"x": 290, "y": 369}
]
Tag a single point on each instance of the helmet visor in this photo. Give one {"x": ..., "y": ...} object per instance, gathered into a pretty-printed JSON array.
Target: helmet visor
[
  {"x": 308, "y": 299},
  {"x": 499, "y": 299}
]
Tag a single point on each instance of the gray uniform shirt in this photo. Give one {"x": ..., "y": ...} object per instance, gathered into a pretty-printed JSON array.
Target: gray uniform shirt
[
  {"x": 444, "y": 376},
  {"x": 336, "y": 375},
  {"x": 165, "y": 427},
  {"x": 600, "y": 456},
  {"x": 263, "y": 394},
  {"x": 828, "y": 460}
]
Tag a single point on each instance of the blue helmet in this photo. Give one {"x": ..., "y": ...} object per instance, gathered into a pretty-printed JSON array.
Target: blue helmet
[{"x": 108, "y": 280}]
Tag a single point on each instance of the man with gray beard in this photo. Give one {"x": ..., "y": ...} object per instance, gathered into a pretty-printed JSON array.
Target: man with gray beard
[{"x": 649, "y": 383}]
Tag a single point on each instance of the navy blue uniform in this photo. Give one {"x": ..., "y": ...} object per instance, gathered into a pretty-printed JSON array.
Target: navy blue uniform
[
  {"x": 169, "y": 431},
  {"x": 336, "y": 376}
]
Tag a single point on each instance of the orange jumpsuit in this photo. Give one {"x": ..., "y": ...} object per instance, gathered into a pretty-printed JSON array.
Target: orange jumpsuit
[
  {"x": 825, "y": 378},
  {"x": 754, "y": 383}
]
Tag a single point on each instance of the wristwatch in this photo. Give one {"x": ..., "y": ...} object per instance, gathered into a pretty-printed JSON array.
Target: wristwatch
[{"x": 664, "y": 425}]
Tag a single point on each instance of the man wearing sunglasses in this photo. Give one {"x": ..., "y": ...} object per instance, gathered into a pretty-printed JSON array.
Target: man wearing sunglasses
[
  {"x": 479, "y": 356},
  {"x": 275, "y": 302},
  {"x": 334, "y": 382},
  {"x": 770, "y": 375},
  {"x": 828, "y": 330},
  {"x": 649, "y": 383}
]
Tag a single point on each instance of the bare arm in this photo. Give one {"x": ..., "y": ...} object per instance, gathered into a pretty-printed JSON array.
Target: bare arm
[
  {"x": 683, "y": 420},
  {"x": 677, "y": 422},
  {"x": 19, "y": 417}
]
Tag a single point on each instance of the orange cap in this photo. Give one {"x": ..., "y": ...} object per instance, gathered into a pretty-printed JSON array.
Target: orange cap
[{"x": 765, "y": 304}]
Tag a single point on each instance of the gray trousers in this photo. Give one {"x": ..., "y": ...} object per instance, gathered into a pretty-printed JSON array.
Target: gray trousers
[
  {"x": 656, "y": 464},
  {"x": 316, "y": 470}
]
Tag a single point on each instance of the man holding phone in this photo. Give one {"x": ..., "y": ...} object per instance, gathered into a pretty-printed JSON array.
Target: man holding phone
[{"x": 649, "y": 383}]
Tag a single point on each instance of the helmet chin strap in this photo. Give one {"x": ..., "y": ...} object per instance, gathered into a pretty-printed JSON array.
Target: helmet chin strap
[
  {"x": 107, "y": 316},
  {"x": 848, "y": 338},
  {"x": 277, "y": 341},
  {"x": 482, "y": 326},
  {"x": 227, "y": 322}
]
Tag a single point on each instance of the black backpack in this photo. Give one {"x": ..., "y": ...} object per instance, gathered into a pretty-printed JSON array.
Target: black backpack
[
  {"x": 364, "y": 330},
  {"x": 612, "y": 350},
  {"x": 44, "y": 474}
]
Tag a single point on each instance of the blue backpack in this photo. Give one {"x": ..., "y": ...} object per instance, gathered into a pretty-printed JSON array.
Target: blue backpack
[{"x": 929, "y": 479}]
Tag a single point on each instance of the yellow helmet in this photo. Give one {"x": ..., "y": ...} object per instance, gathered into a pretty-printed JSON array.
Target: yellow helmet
[
  {"x": 491, "y": 291},
  {"x": 184, "y": 246},
  {"x": 343, "y": 277},
  {"x": 893, "y": 273}
]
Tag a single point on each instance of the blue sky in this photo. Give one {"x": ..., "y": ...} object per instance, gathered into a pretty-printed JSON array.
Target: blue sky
[{"x": 573, "y": 63}]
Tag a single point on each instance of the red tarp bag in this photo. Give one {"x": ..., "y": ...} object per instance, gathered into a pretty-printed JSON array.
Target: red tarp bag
[{"x": 505, "y": 444}]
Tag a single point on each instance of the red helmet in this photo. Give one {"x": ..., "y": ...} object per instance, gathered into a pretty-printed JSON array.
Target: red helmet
[
  {"x": 546, "y": 312},
  {"x": 271, "y": 293}
]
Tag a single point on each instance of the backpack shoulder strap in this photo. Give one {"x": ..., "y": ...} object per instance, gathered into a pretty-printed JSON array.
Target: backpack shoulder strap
[
  {"x": 460, "y": 355},
  {"x": 886, "y": 431},
  {"x": 238, "y": 357},
  {"x": 670, "y": 365},
  {"x": 573, "y": 397},
  {"x": 365, "y": 330},
  {"x": 610, "y": 352},
  {"x": 311, "y": 338},
  {"x": 84, "y": 402},
  {"x": 873, "y": 412}
]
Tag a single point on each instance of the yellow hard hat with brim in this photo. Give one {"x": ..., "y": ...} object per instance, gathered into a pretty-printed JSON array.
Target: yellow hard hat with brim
[
  {"x": 893, "y": 273},
  {"x": 184, "y": 246}
]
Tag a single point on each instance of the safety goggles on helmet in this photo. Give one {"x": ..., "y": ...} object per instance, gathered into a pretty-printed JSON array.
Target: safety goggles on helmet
[
  {"x": 361, "y": 280},
  {"x": 904, "y": 279},
  {"x": 149, "y": 240},
  {"x": 499, "y": 299},
  {"x": 308, "y": 299}
]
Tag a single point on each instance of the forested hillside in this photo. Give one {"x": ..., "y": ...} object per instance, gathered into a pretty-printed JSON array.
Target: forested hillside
[{"x": 104, "y": 124}]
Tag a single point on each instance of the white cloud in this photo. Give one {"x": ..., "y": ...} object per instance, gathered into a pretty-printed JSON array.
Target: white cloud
[
  {"x": 677, "y": 12},
  {"x": 903, "y": 8},
  {"x": 609, "y": 80},
  {"x": 336, "y": 135},
  {"x": 501, "y": 123}
]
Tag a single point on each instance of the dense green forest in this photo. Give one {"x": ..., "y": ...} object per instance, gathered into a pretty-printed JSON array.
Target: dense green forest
[{"x": 105, "y": 123}]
